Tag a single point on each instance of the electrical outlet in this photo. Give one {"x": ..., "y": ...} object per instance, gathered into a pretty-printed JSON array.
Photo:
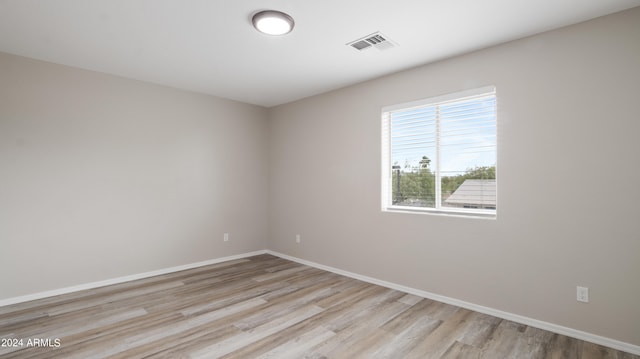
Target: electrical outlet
[
  {"x": 582, "y": 294},
  {"x": 297, "y": 238},
  {"x": 226, "y": 237}
]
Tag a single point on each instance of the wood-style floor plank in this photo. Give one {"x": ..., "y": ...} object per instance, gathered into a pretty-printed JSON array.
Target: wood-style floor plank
[{"x": 267, "y": 307}]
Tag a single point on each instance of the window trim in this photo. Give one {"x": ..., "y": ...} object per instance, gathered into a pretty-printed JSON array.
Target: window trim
[{"x": 386, "y": 172}]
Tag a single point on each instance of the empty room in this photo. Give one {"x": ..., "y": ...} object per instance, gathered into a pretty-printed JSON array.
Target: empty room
[{"x": 319, "y": 179}]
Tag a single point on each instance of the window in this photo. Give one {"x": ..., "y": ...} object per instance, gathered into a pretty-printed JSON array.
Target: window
[{"x": 439, "y": 155}]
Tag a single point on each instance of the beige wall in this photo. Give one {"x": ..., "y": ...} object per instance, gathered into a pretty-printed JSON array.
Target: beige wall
[
  {"x": 102, "y": 177},
  {"x": 568, "y": 193}
]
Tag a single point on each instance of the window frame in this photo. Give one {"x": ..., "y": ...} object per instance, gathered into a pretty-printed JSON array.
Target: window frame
[{"x": 386, "y": 157}]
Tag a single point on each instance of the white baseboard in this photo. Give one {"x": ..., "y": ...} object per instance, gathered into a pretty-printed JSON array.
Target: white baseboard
[
  {"x": 597, "y": 339},
  {"x": 128, "y": 278}
]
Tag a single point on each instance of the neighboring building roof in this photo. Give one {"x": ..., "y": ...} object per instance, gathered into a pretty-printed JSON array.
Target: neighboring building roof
[{"x": 479, "y": 192}]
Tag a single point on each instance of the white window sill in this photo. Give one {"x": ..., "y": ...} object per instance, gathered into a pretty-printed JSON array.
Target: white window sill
[{"x": 482, "y": 214}]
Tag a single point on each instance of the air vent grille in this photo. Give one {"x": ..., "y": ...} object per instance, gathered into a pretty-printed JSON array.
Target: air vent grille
[
  {"x": 361, "y": 45},
  {"x": 375, "y": 40}
]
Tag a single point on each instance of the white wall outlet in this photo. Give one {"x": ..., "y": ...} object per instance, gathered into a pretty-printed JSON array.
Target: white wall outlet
[
  {"x": 582, "y": 294},
  {"x": 226, "y": 237},
  {"x": 297, "y": 238}
]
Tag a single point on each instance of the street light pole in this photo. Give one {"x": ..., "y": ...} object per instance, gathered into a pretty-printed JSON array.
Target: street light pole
[{"x": 397, "y": 168}]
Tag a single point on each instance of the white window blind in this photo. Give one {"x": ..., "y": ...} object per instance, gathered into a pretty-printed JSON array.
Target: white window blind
[{"x": 440, "y": 154}]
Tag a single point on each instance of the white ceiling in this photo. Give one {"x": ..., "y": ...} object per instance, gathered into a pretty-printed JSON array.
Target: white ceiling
[{"x": 210, "y": 46}]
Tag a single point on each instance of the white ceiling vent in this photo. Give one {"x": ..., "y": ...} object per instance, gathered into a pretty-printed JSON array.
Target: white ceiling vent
[{"x": 375, "y": 40}]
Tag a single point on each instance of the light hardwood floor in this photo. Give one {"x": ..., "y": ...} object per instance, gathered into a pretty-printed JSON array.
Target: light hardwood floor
[{"x": 268, "y": 307}]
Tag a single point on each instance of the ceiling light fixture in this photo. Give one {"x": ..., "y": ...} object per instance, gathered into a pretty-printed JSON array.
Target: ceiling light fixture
[{"x": 272, "y": 22}]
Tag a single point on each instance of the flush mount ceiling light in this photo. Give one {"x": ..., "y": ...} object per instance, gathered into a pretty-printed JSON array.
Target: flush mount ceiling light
[{"x": 273, "y": 22}]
